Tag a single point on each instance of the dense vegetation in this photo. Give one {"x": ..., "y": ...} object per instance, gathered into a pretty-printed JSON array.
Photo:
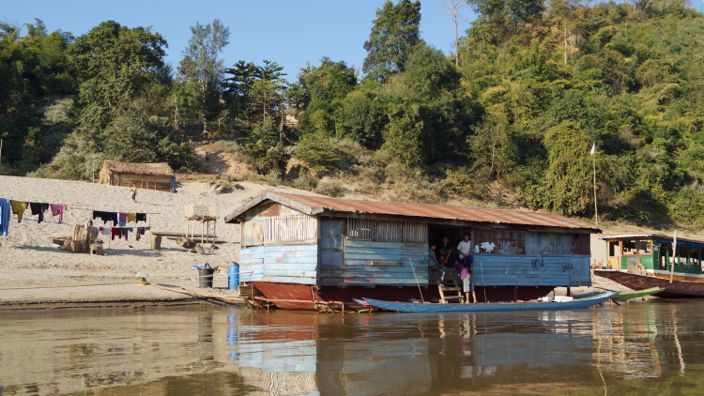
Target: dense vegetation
[{"x": 510, "y": 117}]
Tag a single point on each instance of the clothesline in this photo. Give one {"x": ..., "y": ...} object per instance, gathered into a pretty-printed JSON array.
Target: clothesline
[
  {"x": 83, "y": 207},
  {"x": 116, "y": 211}
]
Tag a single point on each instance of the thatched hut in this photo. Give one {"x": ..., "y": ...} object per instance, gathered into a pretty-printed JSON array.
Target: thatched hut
[{"x": 156, "y": 176}]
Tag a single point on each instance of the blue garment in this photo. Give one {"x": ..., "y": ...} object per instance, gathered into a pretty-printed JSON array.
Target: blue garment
[{"x": 4, "y": 217}]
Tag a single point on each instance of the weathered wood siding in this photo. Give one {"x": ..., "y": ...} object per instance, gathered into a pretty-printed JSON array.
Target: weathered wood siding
[
  {"x": 285, "y": 263},
  {"x": 277, "y": 224},
  {"x": 556, "y": 243},
  {"x": 378, "y": 263},
  {"x": 519, "y": 270}
]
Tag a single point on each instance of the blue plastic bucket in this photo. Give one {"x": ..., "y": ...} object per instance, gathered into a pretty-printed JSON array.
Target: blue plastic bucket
[{"x": 233, "y": 276}]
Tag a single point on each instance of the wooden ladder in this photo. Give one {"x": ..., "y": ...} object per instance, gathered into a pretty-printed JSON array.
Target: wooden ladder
[{"x": 453, "y": 287}]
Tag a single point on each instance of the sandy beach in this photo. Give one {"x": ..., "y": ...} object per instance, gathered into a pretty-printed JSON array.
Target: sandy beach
[{"x": 36, "y": 272}]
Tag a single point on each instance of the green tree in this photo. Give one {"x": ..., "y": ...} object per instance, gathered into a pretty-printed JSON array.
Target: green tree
[
  {"x": 267, "y": 92},
  {"x": 36, "y": 74},
  {"x": 403, "y": 137},
  {"x": 202, "y": 72},
  {"x": 264, "y": 149},
  {"x": 324, "y": 86},
  {"x": 394, "y": 34},
  {"x": 363, "y": 118},
  {"x": 238, "y": 86}
]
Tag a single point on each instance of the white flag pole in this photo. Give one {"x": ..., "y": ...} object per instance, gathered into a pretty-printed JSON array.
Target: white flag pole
[{"x": 674, "y": 256}]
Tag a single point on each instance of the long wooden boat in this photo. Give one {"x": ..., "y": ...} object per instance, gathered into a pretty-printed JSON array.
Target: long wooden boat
[
  {"x": 407, "y": 307},
  {"x": 588, "y": 294},
  {"x": 676, "y": 289},
  {"x": 639, "y": 293}
]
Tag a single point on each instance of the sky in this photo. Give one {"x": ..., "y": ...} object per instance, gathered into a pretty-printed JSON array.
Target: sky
[{"x": 292, "y": 33}]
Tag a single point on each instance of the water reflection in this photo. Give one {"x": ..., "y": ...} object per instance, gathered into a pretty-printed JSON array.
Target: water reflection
[{"x": 645, "y": 348}]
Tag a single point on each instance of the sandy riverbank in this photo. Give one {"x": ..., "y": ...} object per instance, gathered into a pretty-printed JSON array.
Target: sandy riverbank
[{"x": 34, "y": 271}]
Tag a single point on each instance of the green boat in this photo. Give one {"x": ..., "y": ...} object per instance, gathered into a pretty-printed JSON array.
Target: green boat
[{"x": 636, "y": 294}]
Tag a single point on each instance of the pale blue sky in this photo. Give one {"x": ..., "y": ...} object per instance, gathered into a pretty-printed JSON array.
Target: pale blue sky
[{"x": 293, "y": 33}]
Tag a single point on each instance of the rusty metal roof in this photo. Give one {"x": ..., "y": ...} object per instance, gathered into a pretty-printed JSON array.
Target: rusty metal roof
[{"x": 315, "y": 205}]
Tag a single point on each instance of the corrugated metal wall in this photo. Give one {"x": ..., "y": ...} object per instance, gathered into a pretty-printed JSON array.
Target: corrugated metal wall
[
  {"x": 599, "y": 249},
  {"x": 378, "y": 263},
  {"x": 288, "y": 264},
  {"x": 519, "y": 270}
]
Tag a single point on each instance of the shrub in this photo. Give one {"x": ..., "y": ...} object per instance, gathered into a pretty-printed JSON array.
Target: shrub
[
  {"x": 319, "y": 152},
  {"x": 331, "y": 188}
]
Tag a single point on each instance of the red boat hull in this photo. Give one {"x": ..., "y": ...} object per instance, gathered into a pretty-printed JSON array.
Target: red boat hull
[
  {"x": 306, "y": 297},
  {"x": 676, "y": 289}
]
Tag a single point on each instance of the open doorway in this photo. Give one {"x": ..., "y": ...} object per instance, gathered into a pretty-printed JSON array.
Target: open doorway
[{"x": 447, "y": 252}]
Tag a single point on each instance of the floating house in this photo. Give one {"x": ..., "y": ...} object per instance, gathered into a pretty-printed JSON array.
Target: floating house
[
  {"x": 642, "y": 261},
  {"x": 152, "y": 176},
  {"x": 302, "y": 250}
]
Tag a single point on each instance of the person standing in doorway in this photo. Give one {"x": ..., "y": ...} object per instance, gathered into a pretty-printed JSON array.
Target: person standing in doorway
[
  {"x": 465, "y": 255},
  {"x": 445, "y": 250},
  {"x": 465, "y": 251}
]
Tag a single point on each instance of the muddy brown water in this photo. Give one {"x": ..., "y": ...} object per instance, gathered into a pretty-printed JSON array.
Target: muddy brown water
[{"x": 654, "y": 347}]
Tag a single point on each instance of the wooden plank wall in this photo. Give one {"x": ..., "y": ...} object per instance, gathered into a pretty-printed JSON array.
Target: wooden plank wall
[
  {"x": 274, "y": 223},
  {"x": 556, "y": 243},
  {"x": 378, "y": 263},
  {"x": 290, "y": 228},
  {"x": 387, "y": 231},
  {"x": 287, "y": 264},
  {"x": 531, "y": 270}
]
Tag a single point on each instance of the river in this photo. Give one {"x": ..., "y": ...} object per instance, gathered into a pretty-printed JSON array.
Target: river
[{"x": 654, "y": 347}]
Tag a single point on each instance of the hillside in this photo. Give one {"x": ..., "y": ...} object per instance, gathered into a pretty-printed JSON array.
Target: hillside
[{"x": 507, "y": 121}]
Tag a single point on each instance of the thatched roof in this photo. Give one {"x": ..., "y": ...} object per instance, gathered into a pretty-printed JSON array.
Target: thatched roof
[{"x": 139, "y": 168}]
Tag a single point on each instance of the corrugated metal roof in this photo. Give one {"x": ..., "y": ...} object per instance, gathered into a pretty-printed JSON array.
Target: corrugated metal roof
[
  {"x": 319, "y": 204},
  {"x": 633, "y": 236}
]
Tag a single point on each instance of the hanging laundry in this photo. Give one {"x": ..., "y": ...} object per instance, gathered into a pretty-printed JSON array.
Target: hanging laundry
[
  {"x": 122, "y": 219},
  {"x": 105, "y": 216},
  {"x": 18, "y": 208},
  {"x": 141, "y": 217},
  {"x": 131, "y": 217},
  {"x": 94, "y": 232},
  {"x": 125, "y": 232},
  {"x": 4, "y": 217},
  {"x": 38, "y": 209},
  {"x": 115, "y": 232},
  {"x": 105, "y": 230},
  {"x": 58, "y": 210}
]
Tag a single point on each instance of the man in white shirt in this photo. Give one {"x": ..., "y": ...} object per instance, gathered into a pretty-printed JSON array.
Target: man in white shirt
[{"x": 465, "y": 250}]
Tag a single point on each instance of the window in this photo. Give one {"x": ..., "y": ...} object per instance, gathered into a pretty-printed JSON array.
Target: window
[
  {"x": 387, "y": 230},
  {"x": 639, "y": 247},
  {"x": 294, "y": 228}
]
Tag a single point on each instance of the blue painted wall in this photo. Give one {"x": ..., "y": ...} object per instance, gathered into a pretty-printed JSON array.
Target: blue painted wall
[
  {"x": 364, "y": 264},
  {"x": 515, "y": 270},
  {"x": 280, "y": 263}
]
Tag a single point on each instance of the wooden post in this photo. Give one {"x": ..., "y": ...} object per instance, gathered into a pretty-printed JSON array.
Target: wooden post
[
  {"x": 674, "y": 257},
  {"x": 1, "y": 151}
]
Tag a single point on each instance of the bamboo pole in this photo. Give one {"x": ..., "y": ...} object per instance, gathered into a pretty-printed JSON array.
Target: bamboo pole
[{"x": 416, "y": 278}]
